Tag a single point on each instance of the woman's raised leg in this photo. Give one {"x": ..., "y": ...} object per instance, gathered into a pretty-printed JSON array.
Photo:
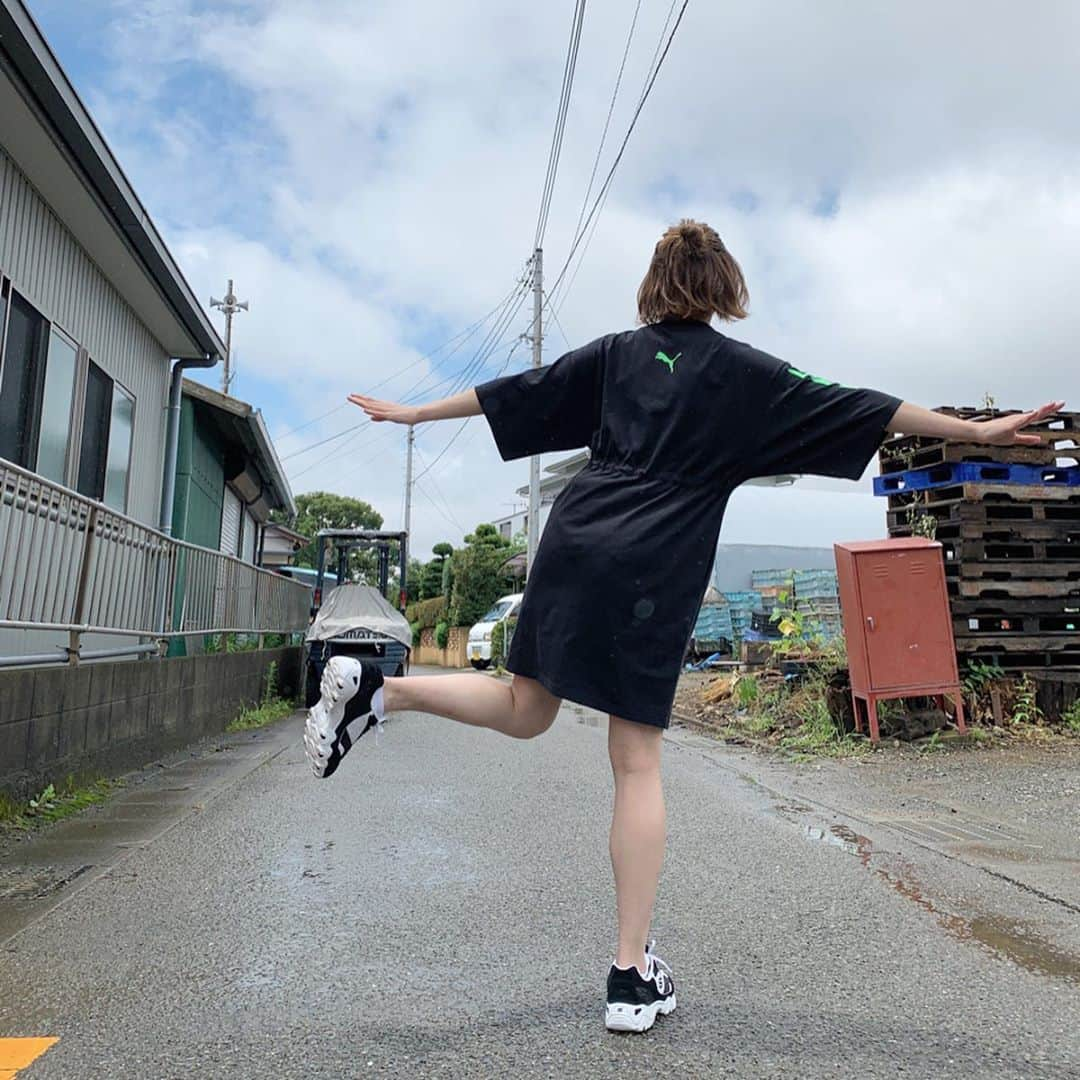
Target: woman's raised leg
[
  {"x": 522, "y": 710},
  {"x": 638, "y": 829}
]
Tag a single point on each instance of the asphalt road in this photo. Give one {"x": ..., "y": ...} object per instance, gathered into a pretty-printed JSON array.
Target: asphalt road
[{"x": 442, "y": 907}]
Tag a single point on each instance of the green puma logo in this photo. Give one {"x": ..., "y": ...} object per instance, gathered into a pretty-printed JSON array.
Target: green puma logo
[{"x": 669, "y": 360}]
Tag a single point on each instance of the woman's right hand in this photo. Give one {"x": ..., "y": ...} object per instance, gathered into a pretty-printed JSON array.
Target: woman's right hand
[{"x": 382, "y": 411}]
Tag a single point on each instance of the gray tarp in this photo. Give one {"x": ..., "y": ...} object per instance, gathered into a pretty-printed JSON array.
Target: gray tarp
[{"x": 359, "y": 607}]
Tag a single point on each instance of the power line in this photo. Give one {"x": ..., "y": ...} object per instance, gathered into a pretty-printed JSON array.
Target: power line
[
  {"x": 439, "y": 510},
  {"x": 457, "y": 434},
  {"x": 569, "y": 69},
  {"x": 518, "y": 290},
  {"x": 439, "y": 491},
  {"x": 293, "y": 431},
  {"x": 610, "y": 112},
  {"x": 650, "y": 83},
  {"x": 461, "y": 377}
]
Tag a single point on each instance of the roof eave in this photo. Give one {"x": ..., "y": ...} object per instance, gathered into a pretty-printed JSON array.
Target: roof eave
[{"x": 39, "y": 74}]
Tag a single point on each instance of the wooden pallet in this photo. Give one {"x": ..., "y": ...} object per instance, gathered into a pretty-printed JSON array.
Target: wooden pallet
[
  {"x": 1020, "y": 552},
  {"x": 987, "y": 514},
  {"x": 991, "y": 652},
  {"x": 1017, "y": 626},
  {"x": 1006, "y": 495},
  {"x": 1004, "y": 570},
  {"x": 1059, "y": 431},
  {"x": 1015, "y": 606},
  {"x": 1009, "y": 532},
  {"x": 927, "y": 456},
  {"x": 990, "y": 589},
  {"x": 1018, "y": 643}
]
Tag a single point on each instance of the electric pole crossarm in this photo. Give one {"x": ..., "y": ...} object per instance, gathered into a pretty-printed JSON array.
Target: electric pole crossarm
[{"x": 230, "y": 305}]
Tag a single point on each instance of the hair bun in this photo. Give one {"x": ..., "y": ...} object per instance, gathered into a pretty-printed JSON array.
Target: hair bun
[{"x": 693, "y": 236}]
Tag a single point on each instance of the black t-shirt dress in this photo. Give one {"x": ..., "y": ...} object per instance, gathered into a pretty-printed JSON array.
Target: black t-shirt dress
[{"x": 676, "y": 416}]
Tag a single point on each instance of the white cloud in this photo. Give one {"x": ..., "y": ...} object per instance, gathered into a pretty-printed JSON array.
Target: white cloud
[{"x": 383, "y": 182}]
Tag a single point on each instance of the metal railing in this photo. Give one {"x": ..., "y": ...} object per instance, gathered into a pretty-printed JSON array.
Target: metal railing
[{"x": 70, "y": 564}]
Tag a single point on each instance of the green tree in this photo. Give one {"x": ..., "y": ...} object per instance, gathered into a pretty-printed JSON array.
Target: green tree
[
  {"x": 479, "y": 574},
  {"x": 431, "y": 582},
  {"x": 416, "y": 573},
  {"x": 317, "y": 510}
]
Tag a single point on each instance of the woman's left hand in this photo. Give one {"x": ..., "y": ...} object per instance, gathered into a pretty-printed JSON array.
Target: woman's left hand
[
  {"x": 1005, "y": 430},
  {"x": 381, "y": 411}
]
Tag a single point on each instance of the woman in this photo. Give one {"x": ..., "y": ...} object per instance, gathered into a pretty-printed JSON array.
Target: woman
[{"x": 676, "y": 416}]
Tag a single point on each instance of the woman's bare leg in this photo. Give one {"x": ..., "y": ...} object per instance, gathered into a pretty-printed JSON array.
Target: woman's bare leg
[
  {"x": 637, "y": 832},
  {"x": 523, "y": 710}
]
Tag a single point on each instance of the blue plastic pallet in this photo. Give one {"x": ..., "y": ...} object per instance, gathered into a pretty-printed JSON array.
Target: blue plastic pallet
[{"x": 976, "y": 472}]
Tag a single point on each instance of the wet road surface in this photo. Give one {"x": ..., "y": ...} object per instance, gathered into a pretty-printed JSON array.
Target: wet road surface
[{"x": 442, "y": 907}]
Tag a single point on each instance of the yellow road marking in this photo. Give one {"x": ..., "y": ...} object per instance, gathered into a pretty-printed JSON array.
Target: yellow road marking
[{"x": 16, "y": 1054}]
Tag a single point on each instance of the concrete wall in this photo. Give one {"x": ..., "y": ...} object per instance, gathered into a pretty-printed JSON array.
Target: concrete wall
[
  {"x": 455, "y": 655},
  {"x": 109, "y": 717}
]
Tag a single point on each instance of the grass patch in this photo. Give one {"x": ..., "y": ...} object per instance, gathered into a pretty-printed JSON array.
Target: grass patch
[
  {"x": 264, "y": 714},
  {"x": 54, "y": 804},
  {"x": 1071, "y": 717},
  {"x": 272, "y": 707}
]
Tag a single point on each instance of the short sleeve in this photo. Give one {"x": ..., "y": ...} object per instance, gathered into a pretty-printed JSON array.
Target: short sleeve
[
  {"x": 551, "y": 408},
  {"x": 811, "y": 426}
]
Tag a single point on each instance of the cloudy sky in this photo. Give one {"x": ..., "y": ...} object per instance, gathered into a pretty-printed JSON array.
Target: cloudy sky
[{"x": 901, "y": 182}]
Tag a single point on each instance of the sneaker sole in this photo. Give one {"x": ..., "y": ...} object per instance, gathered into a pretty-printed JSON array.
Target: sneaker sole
[
  {"x": 319, "y": 737},
  {"x": 637, "y": 1018}
]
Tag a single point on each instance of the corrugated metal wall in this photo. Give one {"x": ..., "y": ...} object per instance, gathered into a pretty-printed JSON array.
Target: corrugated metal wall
[
  {"x": 200, "y": 482},
  {"x": 56, "y": 275}
]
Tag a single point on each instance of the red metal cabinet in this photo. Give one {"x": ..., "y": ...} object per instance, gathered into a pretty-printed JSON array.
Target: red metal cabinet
[{"x": 897, "y": 624}]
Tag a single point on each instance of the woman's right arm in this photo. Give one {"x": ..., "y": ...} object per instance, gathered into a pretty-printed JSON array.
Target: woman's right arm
[{"x": 464, "y": 404}]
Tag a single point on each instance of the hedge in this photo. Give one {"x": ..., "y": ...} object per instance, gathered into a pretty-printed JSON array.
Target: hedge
[{"x": 427, "y": 613}]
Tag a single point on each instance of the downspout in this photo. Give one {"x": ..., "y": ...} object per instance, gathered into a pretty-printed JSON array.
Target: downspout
[{"x": 172, "y": 437}]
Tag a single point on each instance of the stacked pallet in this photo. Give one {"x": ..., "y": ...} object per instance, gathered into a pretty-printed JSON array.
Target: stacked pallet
[
  {"x": 742, "y": 606},
  {"x": 1008, "y": 519},
  {"x": 817, "y": 596},
  {"x": 771, "y": 585},
  {"x": 713, "y": 626}
]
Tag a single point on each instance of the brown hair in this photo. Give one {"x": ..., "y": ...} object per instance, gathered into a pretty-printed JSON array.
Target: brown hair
[{"x": 692, "y": 275}]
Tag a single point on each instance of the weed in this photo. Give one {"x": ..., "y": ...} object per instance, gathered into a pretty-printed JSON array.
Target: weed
[
  {"x": 271, "y": 708},
  {"x": 747, "y": 690},
  {"x": 1026, "y": 710},
  {"x": 933, "y": 744},
  {"x": 1071, "y": 717},
  {"x": 978, "y": 675},
  {"x": 53, "y": 804}
]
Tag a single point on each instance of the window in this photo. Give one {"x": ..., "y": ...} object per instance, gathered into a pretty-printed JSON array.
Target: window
[
  {"x": 55, "y": 433},
  {"x": 21, "y": 381},
  {"x": 105, "y": 453}
]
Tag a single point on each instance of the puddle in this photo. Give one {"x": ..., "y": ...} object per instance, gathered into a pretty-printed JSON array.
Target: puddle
[
  {"x": 1007, "y": 939},
  {"x": 844, "y": 838}
]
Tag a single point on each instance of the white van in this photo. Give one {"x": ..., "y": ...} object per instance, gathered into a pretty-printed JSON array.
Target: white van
[{"x": 507, "y": 607}]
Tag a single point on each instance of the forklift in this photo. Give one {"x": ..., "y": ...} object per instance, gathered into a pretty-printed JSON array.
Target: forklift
[{"x": 354, "y": 619}]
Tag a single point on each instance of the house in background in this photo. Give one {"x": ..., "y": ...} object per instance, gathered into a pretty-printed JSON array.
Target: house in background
[
  {"x": 280, "y": 546},
  {"x": 558, "y": 475},
  {"x": 228, "y": 476},
  {"x": 93, "y": 308}
]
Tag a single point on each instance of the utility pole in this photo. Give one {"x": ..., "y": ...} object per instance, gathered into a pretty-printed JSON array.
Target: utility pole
[
  {"x": 408, "y": 493},
  {"x": 533, "y": 532},
  {"x": 230, "y": 306}
]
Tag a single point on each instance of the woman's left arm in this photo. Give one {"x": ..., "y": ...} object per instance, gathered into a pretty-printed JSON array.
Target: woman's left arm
[
  {"x": 451, "y": 408},
  {"x": 1001, "y": 431}
]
